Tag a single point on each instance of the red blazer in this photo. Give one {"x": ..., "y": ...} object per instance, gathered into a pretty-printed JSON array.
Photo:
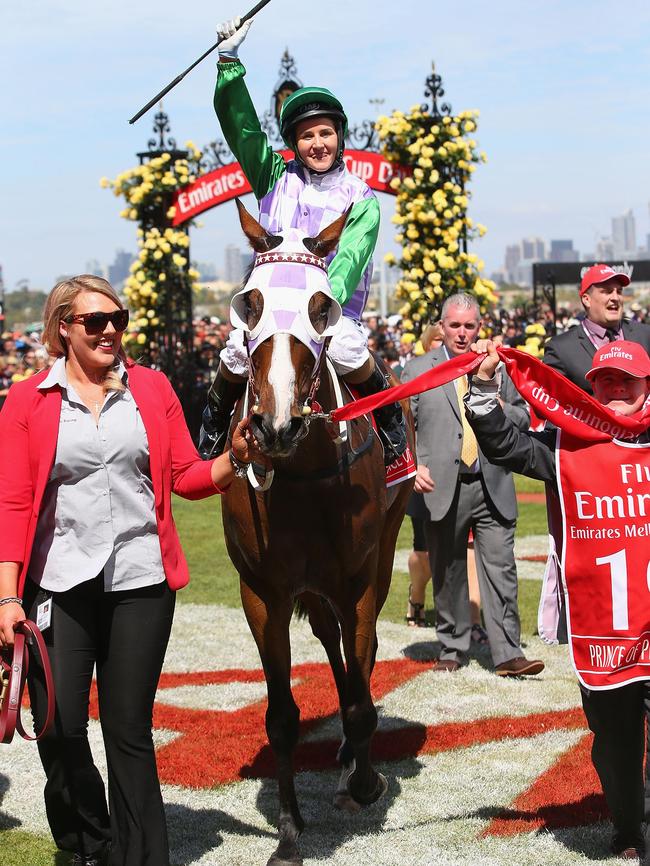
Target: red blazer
[{"x": 29, "y": 427}]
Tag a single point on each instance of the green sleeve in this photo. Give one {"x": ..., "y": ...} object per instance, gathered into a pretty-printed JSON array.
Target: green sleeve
[
  {"x": 355, "y": 251},
  {"x": 242, "y": 130}
]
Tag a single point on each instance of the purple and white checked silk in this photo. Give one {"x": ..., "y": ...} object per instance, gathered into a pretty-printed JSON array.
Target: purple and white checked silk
[
  {"x": 287, "y": 277},
  {"x": 311, "y": 205}
]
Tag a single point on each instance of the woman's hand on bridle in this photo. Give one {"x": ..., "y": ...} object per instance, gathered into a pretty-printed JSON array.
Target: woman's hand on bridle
[{"x": 245, "y": 447}]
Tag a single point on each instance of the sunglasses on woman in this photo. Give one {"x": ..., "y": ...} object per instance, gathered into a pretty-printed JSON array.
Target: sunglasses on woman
[{"x": 95, "y": 323}]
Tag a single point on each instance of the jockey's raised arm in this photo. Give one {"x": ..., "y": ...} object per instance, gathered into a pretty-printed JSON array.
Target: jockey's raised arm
[{"x": 308, "y": 194}]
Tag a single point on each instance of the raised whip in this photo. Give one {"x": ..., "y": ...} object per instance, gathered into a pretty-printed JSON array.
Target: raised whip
[{"x": 180, "y": 77}]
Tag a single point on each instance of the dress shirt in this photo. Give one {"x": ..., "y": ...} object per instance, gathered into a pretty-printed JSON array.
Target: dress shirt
[
  {"x": 98, "y": 510},
  {"x": 600, "y": 336},
  {"x": 483, "y": 396}
]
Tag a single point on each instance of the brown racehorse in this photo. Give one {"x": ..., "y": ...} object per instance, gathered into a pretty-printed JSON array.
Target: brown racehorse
[{"x": 321, "y": 537}]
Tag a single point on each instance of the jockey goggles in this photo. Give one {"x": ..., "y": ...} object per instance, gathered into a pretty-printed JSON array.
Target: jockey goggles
[{"x": 95, "y": 323}]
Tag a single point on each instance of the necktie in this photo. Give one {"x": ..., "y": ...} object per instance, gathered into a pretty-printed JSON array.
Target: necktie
[
  {"x": 469, "y": 451},
  {"x": 612, "y": 336}
]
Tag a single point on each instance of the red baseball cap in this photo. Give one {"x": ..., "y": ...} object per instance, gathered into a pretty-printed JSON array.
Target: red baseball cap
[
  {"x": 601, "y": 274},
  {"x": 622, "y": 355}
]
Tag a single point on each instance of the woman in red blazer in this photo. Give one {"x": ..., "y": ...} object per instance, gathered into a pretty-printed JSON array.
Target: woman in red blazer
[{"x": 91, "y": 452}]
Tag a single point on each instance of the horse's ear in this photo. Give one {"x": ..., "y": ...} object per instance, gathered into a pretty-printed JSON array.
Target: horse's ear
[
  {"x": 328, "y": 239},
  {"x": 260, "y": 240}
]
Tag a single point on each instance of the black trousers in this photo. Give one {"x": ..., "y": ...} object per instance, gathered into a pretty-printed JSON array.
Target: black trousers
[
  {"x": 617, "y": 718},
  {"x": 124, "y": 636}
]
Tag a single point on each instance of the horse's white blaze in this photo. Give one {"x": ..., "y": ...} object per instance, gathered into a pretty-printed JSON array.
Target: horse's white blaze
[{"x": 282, "y": 378}]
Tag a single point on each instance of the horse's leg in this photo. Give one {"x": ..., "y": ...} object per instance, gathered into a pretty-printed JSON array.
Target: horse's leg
[
  {"x": 269, "y": 623},
  {"x": 365, "y": 784},
  {"x": 325, "y": 626}
]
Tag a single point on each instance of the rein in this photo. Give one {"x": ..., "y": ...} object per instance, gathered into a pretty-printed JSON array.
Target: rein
[
  {"x": 13, "y": 676},
  {"x": 350, "y": 456}
]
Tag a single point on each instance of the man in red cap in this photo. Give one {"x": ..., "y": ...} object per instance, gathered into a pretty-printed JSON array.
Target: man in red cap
[
  {"x": 607, "y": 595},
  {"x": 601, "y": 294}
]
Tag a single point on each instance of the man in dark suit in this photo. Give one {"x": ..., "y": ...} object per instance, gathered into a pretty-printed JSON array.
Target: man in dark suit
[
  {"x": 462, "y": 491},
  {"x": 601, "y": 294}
]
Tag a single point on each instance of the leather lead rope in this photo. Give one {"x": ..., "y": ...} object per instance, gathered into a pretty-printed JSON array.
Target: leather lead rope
[{"x": 13, "y": 676}]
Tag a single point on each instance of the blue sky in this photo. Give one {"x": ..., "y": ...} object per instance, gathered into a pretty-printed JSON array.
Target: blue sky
[{"x": 562, "y": 88}]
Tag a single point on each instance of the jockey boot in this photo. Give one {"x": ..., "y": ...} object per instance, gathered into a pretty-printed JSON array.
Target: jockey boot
[
  {"x": 391, "y": 425},
  {"x": 222, "y": 399}
]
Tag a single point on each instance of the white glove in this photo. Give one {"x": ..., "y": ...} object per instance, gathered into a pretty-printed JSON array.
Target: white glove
[{"x": 233, "y": 35}]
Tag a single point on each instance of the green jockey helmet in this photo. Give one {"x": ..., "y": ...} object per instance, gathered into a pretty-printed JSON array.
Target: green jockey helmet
[{"x": 311, "y": 102}]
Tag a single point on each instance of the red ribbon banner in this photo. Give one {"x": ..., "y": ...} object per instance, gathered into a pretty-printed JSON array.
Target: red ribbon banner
[{"x": 552, "y": 396}]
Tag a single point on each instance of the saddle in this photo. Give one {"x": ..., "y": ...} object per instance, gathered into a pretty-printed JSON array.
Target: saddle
[{"x": 13, "y": 676}]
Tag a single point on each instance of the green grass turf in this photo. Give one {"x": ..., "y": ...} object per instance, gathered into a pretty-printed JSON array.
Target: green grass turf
[{"x": 18, "y": 848}]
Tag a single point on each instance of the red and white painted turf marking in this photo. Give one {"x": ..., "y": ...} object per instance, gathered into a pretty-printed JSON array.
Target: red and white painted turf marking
[{"x": 481, "y": 769}]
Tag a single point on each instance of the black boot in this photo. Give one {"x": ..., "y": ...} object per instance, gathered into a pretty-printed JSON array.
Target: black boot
[
  {"x": 222, "y": 399},
  {"x": 390, "y": 418}
]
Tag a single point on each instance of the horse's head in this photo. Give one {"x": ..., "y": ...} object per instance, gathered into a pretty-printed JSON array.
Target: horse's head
[{"x": 287, "y": 312}]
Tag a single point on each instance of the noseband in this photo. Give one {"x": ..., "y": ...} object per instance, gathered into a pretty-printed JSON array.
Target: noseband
[{"x": 313, "y": 387}]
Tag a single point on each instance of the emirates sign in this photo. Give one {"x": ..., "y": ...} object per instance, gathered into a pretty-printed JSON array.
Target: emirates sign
[{"x": 226, "y": 183}]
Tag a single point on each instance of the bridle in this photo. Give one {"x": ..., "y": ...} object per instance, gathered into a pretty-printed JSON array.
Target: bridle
[{"x": 314, "y": 382}]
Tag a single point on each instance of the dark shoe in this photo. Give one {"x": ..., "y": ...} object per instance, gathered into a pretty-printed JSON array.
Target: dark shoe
[
  {"x": 391, "y": 425},
  {"x": 519, "y": 667},
  {"x": 98, "y": 859},
  {"x": 629, "y": 846},
  {"x": 445, "y": 665},
  {"x": 415, "y": 616},
  {"x": 222, "y": 399},
  {"x": 629, "y": 854}
]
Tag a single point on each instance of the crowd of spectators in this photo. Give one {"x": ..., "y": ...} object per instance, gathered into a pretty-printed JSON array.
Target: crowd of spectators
[{"x": 22, "y": 355}]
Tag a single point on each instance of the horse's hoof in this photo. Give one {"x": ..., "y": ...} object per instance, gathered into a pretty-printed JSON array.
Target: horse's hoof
[
  {"x": 344, "y": 802},
  {"x": 381, "y": 786},
  {"x": 281, "y": 861}
]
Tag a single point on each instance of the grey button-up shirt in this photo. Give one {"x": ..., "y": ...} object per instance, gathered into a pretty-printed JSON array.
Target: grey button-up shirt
[{"x": 98, "y": 510}]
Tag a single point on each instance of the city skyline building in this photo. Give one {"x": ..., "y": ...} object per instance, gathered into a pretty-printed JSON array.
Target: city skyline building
[
  {"x": 118, "y": 271},
  {"x": 624, "y": 235},
  {"x": 233, "y": 263},
  {"x": 563, "y": 251}
]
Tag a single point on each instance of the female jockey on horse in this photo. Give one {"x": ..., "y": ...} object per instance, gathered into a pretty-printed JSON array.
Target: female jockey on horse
[{"x": 307, "y": 193}]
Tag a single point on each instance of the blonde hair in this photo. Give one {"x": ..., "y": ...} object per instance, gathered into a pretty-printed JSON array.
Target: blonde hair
[
  {"x": 59, "y": 305},
  {"x": 432, "y": 333}
]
